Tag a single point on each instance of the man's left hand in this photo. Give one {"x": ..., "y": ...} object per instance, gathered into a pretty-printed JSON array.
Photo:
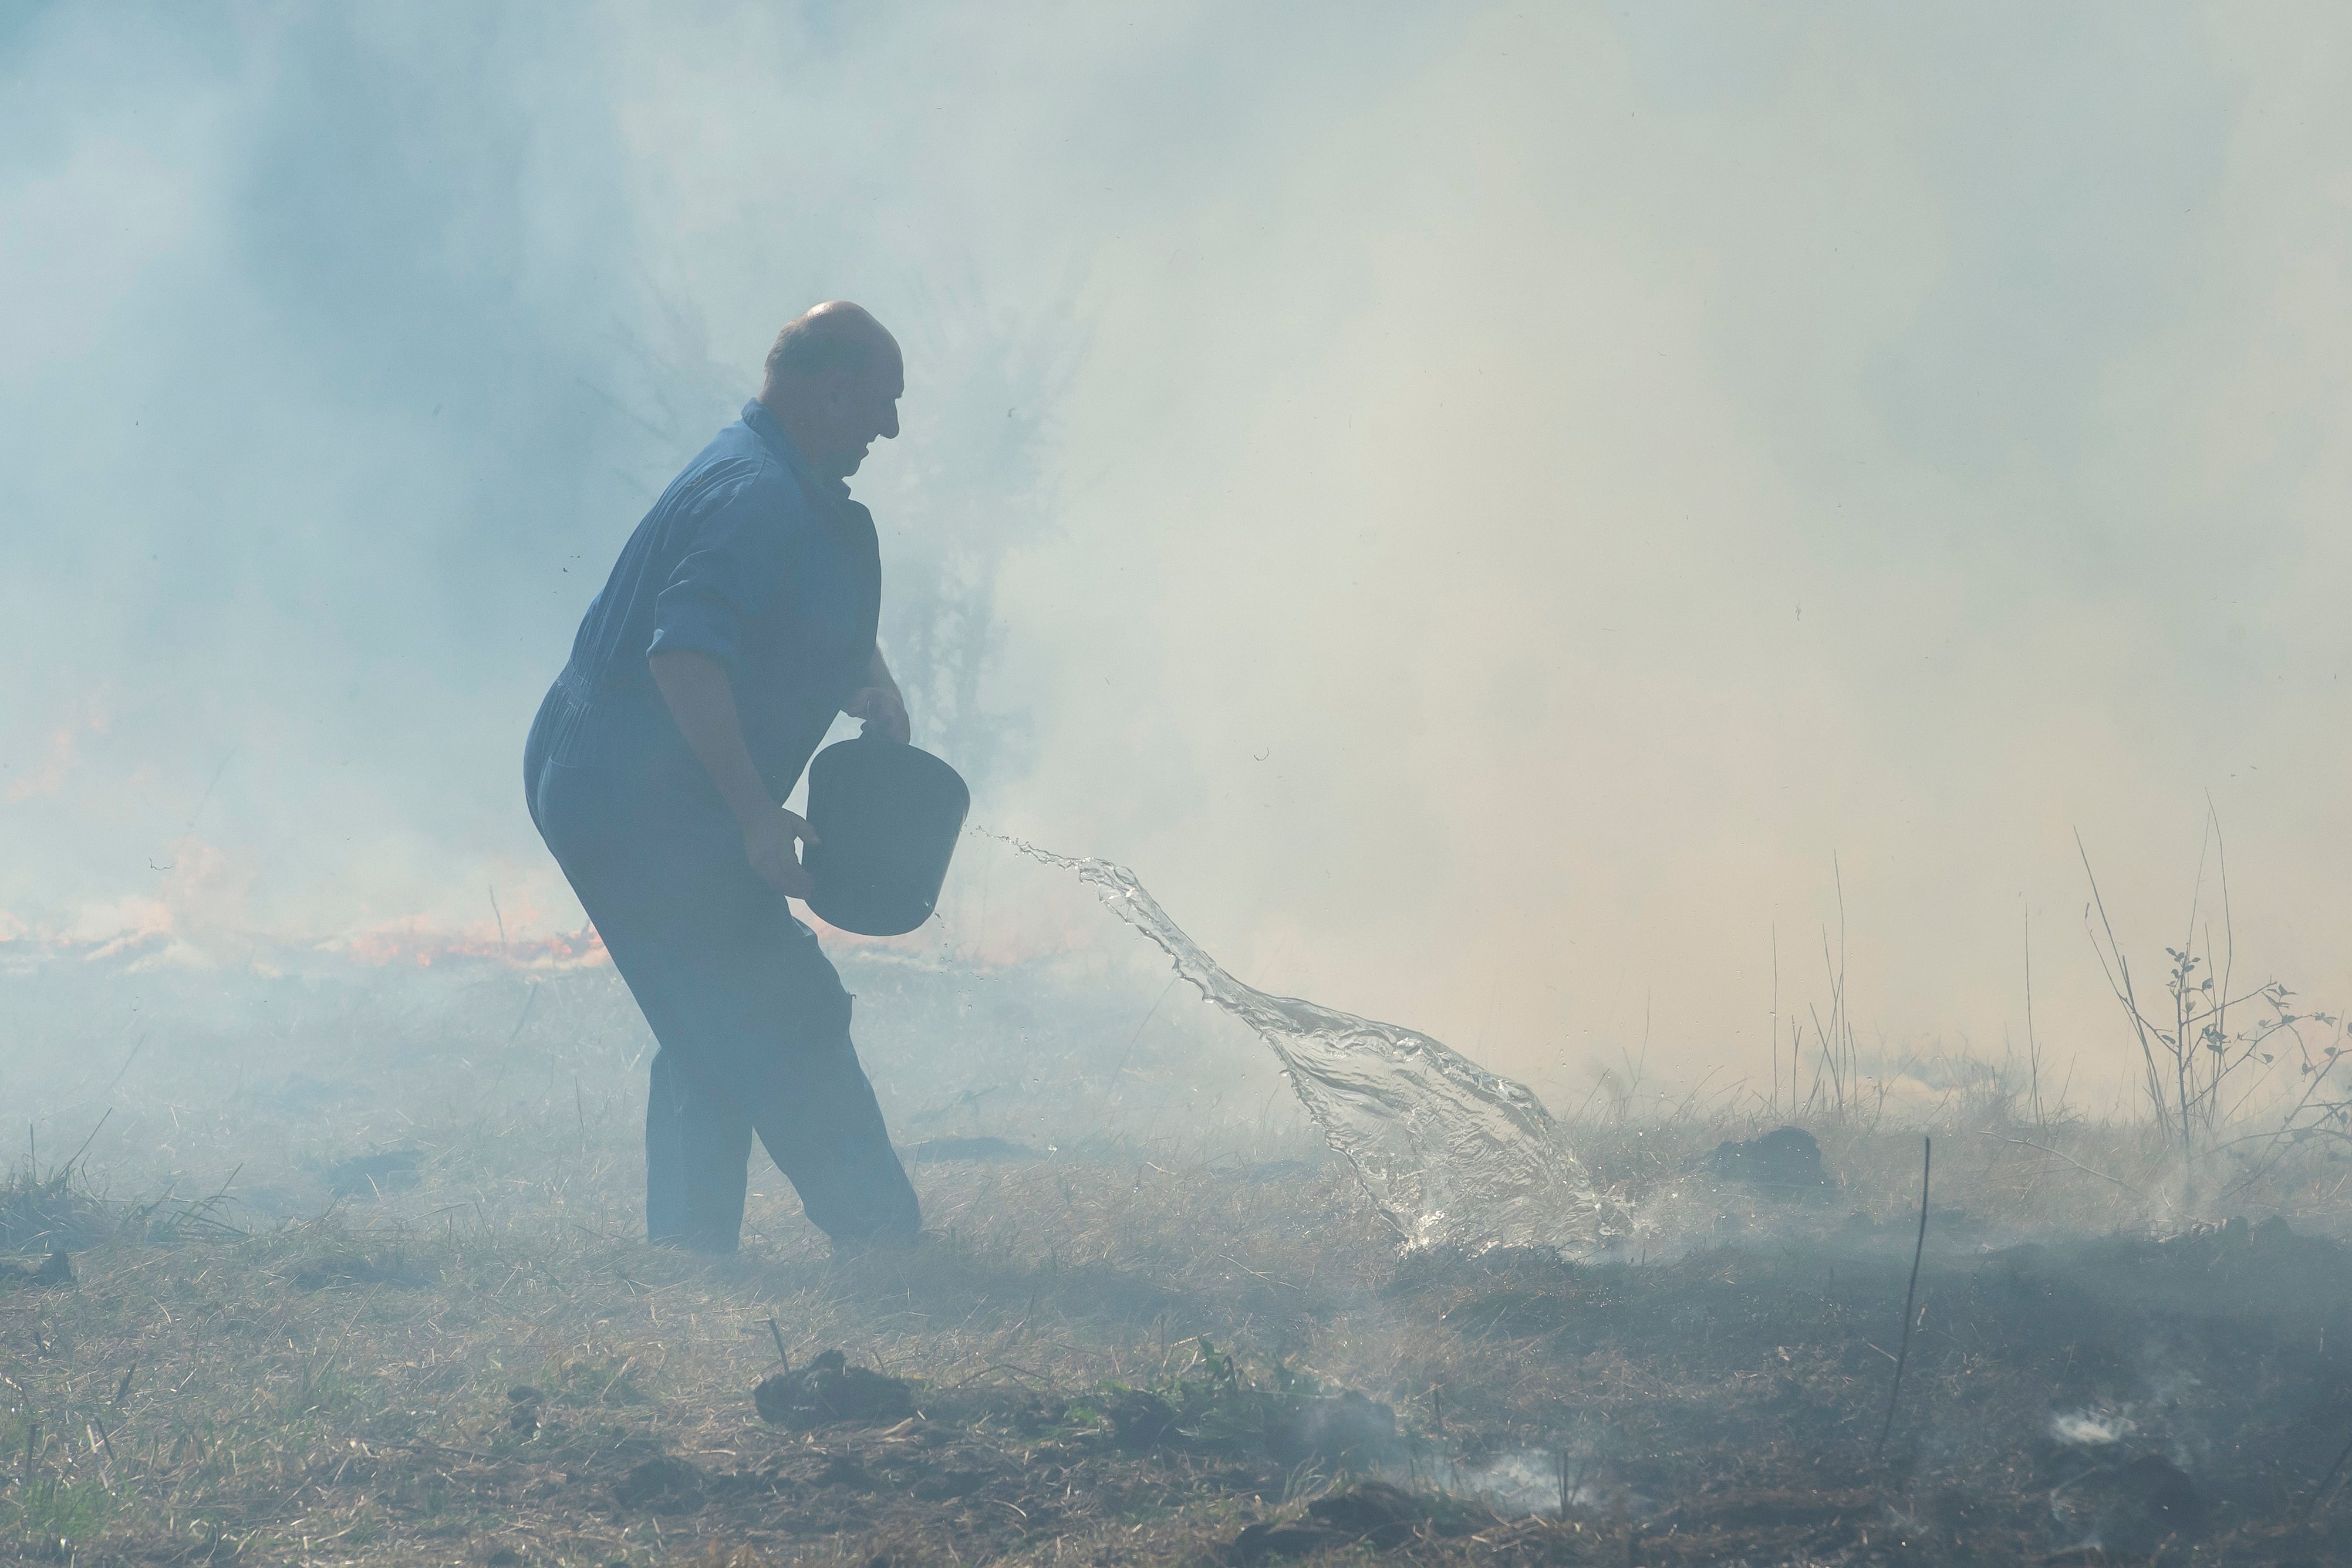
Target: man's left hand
[{"x": 883, "y": 711}]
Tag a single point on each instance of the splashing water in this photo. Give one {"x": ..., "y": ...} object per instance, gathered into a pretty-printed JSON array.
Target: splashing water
[{"x": 1453, "y": 1154}]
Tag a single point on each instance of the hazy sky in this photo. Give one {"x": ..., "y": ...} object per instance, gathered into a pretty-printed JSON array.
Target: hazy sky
[{"x": 1478, "y": 506}]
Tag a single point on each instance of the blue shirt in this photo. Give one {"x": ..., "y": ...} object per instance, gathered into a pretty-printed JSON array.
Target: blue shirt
[{"x": 755, "y": 561}]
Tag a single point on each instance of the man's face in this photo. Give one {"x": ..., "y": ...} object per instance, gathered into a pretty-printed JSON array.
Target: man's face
[{"x": 860, "y": 404}]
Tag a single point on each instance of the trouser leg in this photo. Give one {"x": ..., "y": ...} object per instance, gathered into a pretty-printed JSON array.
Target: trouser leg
[
  {"x": 752, "y": 1018},
  {"x": 819, "y": 1121},
  {"x": 698, "y": 1161}
]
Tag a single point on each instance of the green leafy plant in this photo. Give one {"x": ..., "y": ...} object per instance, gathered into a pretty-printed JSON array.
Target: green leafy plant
[{"x": 49, "y": 1509}]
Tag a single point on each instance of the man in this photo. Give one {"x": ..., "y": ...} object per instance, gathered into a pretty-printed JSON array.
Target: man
[{"x": 739, "y": 621}]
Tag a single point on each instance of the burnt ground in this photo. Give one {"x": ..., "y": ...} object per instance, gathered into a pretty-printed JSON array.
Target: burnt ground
[{"x": 1136, "y": 1357}]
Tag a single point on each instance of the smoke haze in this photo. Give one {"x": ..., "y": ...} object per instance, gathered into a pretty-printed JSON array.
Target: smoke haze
[{"x": 1481, "y": 510}]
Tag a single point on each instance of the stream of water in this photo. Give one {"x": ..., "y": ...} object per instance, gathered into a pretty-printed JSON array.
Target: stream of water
[{"x": 1453, "y": 1154}]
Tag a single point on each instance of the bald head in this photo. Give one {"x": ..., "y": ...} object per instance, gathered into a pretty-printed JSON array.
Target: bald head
[
  {"x": 832, "y": 336},
  {"x": 834, "y": 378}
]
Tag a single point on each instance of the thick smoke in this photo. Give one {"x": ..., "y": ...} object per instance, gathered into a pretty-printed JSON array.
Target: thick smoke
[{"x": 1477, "y": 508}]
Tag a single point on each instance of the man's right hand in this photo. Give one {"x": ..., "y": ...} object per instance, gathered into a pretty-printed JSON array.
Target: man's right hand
[{"x": 768, "y": 839}]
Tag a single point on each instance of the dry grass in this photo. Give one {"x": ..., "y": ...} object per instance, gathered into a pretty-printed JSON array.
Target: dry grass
[
  {"x": 339, "y": 1389},
  {"x": 279, "y": 1375}
]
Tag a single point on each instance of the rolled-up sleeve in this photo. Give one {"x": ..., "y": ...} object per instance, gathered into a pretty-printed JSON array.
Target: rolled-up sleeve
[{"x": 730, "y": 571}]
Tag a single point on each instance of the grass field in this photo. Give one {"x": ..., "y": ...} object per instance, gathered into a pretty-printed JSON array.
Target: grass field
[{"x": 386, "y": 1305}]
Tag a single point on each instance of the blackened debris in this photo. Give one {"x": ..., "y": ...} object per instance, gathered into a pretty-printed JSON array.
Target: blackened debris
[
  {"x": 663, "y": 1484},
  {"x": 524, "y": 1413},
  {"x": 368, "y": 1175},
  {"x": 1386, "y": 1515},
  {"x": 1373, "y": 1513},
  {"x": 2133, "y": 1508},
  {"x": 1785, "y": 1156},
  {"x": 845, "y": 1470},
  {"x": 828, "y": 1389},
  {"x": 1139, "y": 1420},
  {"x": 54, "y": 1270},
  {"x": 1257, "y": 1542}
]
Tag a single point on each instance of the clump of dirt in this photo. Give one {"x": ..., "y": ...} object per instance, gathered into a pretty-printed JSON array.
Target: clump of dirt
[
  {"x": 1140, "y": 1420},
  {"x": 1783, "y": 1157},
  {"x": 829, "y": 1389},
  {"x": 56, "y": 1270},
  {"x": 2133, "y": 1508},
  {"x": 664, "y": 1484},
  {"x": 523, "y": 1409},
  {"x": 371, "y": 1175},
  {"x": 1373, "y": 1514}
]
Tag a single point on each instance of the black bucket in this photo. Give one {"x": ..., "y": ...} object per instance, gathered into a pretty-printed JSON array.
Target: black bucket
[{"x": 886, "y": 817}]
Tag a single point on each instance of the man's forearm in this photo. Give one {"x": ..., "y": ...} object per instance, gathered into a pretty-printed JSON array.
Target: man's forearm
[
  {"x": 878, "y": 674},
  {"x": 695, "y": 687}
]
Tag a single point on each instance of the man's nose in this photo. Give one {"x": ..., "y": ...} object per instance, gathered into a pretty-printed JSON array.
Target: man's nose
[{"x": 890, "y": 424}]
